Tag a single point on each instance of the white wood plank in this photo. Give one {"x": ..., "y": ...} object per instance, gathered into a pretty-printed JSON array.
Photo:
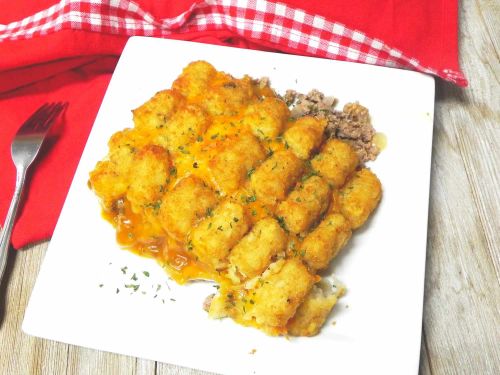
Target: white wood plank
[
  {"x": 461, "y": 313},
  {"x": 89, "y": 362},
  {"x": 425, "y": 368},
  {"x": 22, "y": 354}
]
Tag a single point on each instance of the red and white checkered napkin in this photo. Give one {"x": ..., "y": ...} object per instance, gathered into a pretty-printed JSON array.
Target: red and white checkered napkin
[{"x": 268, "y": 24}]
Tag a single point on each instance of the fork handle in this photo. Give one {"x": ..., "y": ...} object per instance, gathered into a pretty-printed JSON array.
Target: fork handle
[{"x": 9, "y": 220}]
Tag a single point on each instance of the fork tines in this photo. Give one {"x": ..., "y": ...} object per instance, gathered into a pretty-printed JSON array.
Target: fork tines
[{"x": 43, "y": 118}]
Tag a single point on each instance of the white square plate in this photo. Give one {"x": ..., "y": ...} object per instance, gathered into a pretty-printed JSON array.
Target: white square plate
[{"x": 81, "y": 297}]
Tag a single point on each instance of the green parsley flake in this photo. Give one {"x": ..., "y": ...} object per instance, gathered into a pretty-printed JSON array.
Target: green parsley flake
[
  {"x": 308, "y": 175},
  {"x": 183, "y": 150},
  {"x": 281, "y": 222},
  {"x": 251, "y": 198},
  {"x": 154, "y": 205},
  {"x": 135, "y": 287}
]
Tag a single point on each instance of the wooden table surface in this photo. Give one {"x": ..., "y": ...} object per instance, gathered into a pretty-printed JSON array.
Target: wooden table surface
[{"x": 461, "y": 323}]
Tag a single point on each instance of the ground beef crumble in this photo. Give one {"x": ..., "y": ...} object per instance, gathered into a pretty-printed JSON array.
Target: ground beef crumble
[
  {"x": 208, "y": 301},
  {"x": 352, "y": 124}
]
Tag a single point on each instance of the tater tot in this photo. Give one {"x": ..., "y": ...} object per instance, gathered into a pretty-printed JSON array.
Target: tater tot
[
  {"x": 253, "y": 253},
  {"x": 123, "y": 146},
  {"x": 194, "y": 80},
  {"x": 336, "y": 161},
  {"x": 215, "y": 235},
  {"x": 360, "y": 196},
  {"x": 110, "y": 178},
  {"x": 238, "y": 154},
  {"x": 148, "y": 174},
  {"x": 183, "y": 127},
  {"x": 305, "y": 204},
  {"x": 107, "y": 182},
  {"x": 312, "y": 313},
  {"x": 266, "y": 118},
  {"x": 227, "y": 95},
  {"x": 153, "y": 114},
  {"x": 305, "y": 135},
  {"x": 274, "y": 178},
  {"x": 279, "y": 292},
  {"x": 188, "y": 202},
  {"x": 325, "y": 241}
]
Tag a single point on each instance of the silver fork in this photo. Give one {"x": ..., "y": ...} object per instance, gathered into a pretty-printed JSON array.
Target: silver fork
[{"x": 24, "y": 149}]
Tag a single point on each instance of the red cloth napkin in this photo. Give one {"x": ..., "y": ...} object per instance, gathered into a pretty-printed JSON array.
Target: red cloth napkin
[{"x": 67, "y": 50}]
